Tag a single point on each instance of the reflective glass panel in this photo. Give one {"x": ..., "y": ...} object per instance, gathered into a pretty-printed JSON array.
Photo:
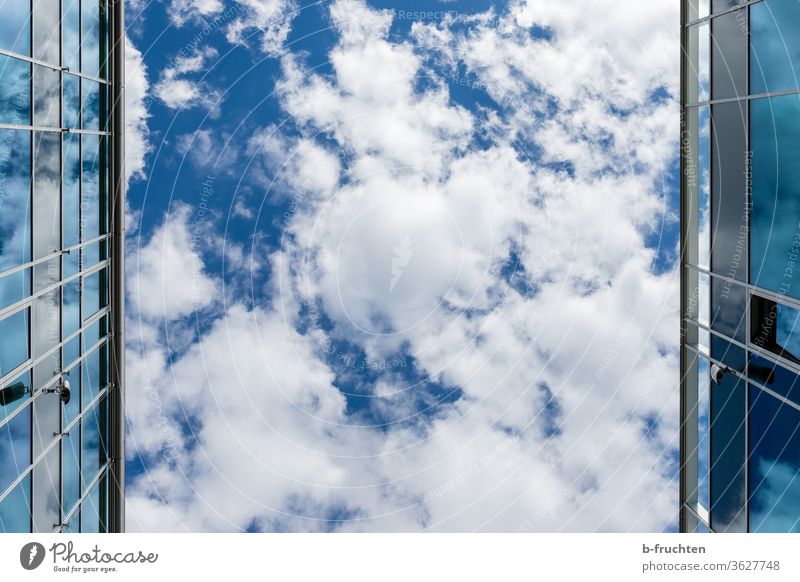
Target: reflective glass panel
[
  {"x": 92, "y": 225},
  {"x": 728, "y": 451},
  {"x": 15, "y": 26},
  {"x": 47, "y": 100},
  {"x": 46, "y": 31},
  {"x": 93, "y": 447},
  {"x": 15, "y": 448},
  {"x": 15, "y": 186},
  {"x": 774, "y": 470},
  {"x": 94, "y": 379},
  {"x": 774, "y": 229},
  {"x": 90, "y": 91},
  {"x": 15, "y": 508},
  {"x": 46, "y": 193},
  {"x": 729, "y": 211},
  {"x": 71, "y": 189},
  {"x": 93, "y": 510},
  {"x": 46, "y": 507},
  {"x": 15, "y": 394},
  {"x": 774, "y": 46},
  {"x": 776, "y": 327},
  {"x": 775, "y": 377},
  {"x": 70, "y": 29},
  {"x": 729, "y": 354},
  {"x": 15, "y": 91},
  {"x": 722, "y": 5},
  {"x": 14, "y": 287},
  {"x": 703, "y": 432},
  {"x": 90, "y": 37},
  {"x": 729, "y": 55},
  {"x": 728, "y": 309},
  {"x": 72, "y": 101},
  {"x": 13, "y": 341},
  {"x": 698, "y": 82},
  {"x": 71, "y": 469}
]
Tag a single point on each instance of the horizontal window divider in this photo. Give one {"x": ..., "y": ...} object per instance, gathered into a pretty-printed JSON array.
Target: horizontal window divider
[
  {"x": 55, "y": 442},
  {"x": 28, "y": 59},
  {"x": 28, "y": 301},
  {"x": 55, "y": 254},
  {"x": 53, "y": 129},
  {"x": 744, "y": 98},
  {"x": 30, "y": 364},
  {"x": 68, "y": 517},
  {"x": 755, "y": 290},
  {"x": 744, "y": 4}
]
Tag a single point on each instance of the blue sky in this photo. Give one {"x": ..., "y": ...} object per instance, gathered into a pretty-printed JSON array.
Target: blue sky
[{"x": 397, "y": 266}]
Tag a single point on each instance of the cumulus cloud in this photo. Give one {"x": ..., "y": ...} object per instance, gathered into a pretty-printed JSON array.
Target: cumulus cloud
[
  {"x": 498, "y": 253},
  {"x": 177, "y": 90},
  {"x": 136, "y": 113},
  {"x": 183, "y": 11},
  {"x": 268, "y": 22}
]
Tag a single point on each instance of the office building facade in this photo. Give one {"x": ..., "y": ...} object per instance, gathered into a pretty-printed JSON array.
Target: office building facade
[
  {"x": 61, "y": 263},
  {"x": 740, "y": 271}
]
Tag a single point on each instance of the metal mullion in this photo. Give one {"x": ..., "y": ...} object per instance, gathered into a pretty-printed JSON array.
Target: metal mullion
[
  {"x": 765, "y": 293},
  {"x": 748, "y": 197},
  {"x": 31, "y": 141},
  {"x": 53, "y": 129},
  {"x": 56, "y": 442},
  {"x": 54, "y": 255},
  {"x": 50, "y": 65}
]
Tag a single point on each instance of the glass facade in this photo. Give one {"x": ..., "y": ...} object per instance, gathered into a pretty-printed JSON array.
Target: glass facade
[
  {"x": 60, "y": 394},
  {"x": 740, "y": 252}
]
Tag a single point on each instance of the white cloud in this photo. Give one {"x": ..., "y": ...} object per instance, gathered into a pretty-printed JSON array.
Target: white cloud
[
  {"x": 136, "y": 114},
  {"x": 178, "y": 91},
  {"x": 568, "y": 406},
  {"x": 267, "y": 21},
  {"x": 183, "y": 11}
]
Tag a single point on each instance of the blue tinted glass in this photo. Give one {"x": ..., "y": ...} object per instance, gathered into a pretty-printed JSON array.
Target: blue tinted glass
[
  {"x": 71, "y": 101},
  {"x": 92, "y": 511},
  {"x": 776, "y": 328},
  {"x": 71, "y": 468},
  {"x": 774, "y": 377},
  {"x": 15, "y": 447},
  {"x": 15, "y": 212},
  {"x": 15, "y": 509},
  {"x": 91, "y": 335},
  {"x": 15, "y": 394},
  {"x": 14, "y": 287},
  {"x": 729, "y": 55},
  {"x": 774, "y": 46},
  {"x": 46, "y": 194},
  {"x": 70, "y": 29},
  {"x": 71, "y": 318},
  {"x": 15, "y": 91},
  {"x": 704, "y": 187},
  {"x": 728, "y": 452},
  {"x": 46, "y": 486},
  {"x": 93, "y": 443},
  {"x": 93, "y": 293},
  {"x": 728, "y": 309},
  {"x": 729, "y": 354},
  {"x": 71, "y": 192},
  {"x": 774, "y": 469},
  {"x": 90, "y": 37},
  {"x": 47, "y": 100},
  {"x": 90, "y": 191},
  {"x": 703, "y": 432},
  {"x": 73, "y": 408},
  {"x": 46, "y": 29},
  {"x": 15, "y": 26},
  {"x": 72, "y": 351},
  {"x": 90, "y": 100},
  {"x": 94, "y": 374},
  {"x": 774, "y": 229},
  {"x": 91, "y": 255},
  {"x": 13, "y": 341}
]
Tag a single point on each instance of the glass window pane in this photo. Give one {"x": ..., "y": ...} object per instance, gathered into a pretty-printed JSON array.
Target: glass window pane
[
  {"x": 15, "y": 509},
  {"x": 72, "y": 190},
  {"x": 72, "y": 101},
  {"x": 774, "y": 46},
  {"x": 729, "y": 210},
  {"x": 70, "y": 29},
  {"x": 729, "y": 55},
  {"x": 722, "y": 5},
  {"x": 46, "y": 507},
  {"x": 774, "y": 229},
  {"x": 15, "y": 181},
  {"x": 71, "y": 469},
  {"x": 90, "y": 91},
  {"x": 46, "y": 193},
  {"x": 94, "y": 369},
  {"x": 15, "y": 91},
  {"x": 704, "y": 188},
  {"x": 728, "y": 452},
  {"x": 13, "y": 341},
  {"x": 776, "y": 378},
  {"x": 14, "y": 287},
  {"x": 94, "y": 293},
  {"x": 92, "y": 223},
  {"x": 698, "y": 79},
  {"x": 71, "y": 307},
  {"x": 774, "y": 469},
  {"x": 91, "y": 255},
  {"x": 776, "y": 328},
  {"x": 93, "y": 509},
  {"x": 90, "y": 37},
  {"x": 93, "y": 443},
  {"x": 15, "y": 26},
  {"x": 15, "y": 448},
  {"x": 46, "y": 31},
  {"x": 703, "y": 432},
  {"x": 697, "y": 9},
  {"x": 728, "y": 309},
  {"x": 14, "y": 394},
  {"x": 47, "y": 101},
  {"x": 729, "y": 354}
]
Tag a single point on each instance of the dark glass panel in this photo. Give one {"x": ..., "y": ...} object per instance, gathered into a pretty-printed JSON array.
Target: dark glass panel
[
  {"x": 15, "y": 448},
  {"x": 775, "y": 377},
  {"x": 15, "y": 91},
  {"x": 774, "y": 229},
  {"x": 71, "y": 469},
  {"x": 46, "y": 506},
  {"x": 729, "y": 55},
  {"x": 13, "y": 341},
  {"x": 774, "y": 468},
  {"x": 774, "y": 46},
  {"x": 729, "y": 354},
  {"x": 93, "y": 443},
  {"x": 15, "y": 187},
  {"x": 15, "y": 508},
  {"x": 92, "y": 223},
  {"x": 46, "y": 31},
  {"x": 728, "y": 451},
  {"x": 70, "y": 29},
  {"x": 776, "y": 327},
  {"x": 728, "y": 316},
  {"x": 729, "y": 211},
  {"x": 46, "y": 97},
  {"x": 72, "y": 101},
  {"x": 46, "y": 194},
  {"x": 723, "y": 5},
  {"x": 15, "y": 33},
  {"x": 15, "y": 394}
]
